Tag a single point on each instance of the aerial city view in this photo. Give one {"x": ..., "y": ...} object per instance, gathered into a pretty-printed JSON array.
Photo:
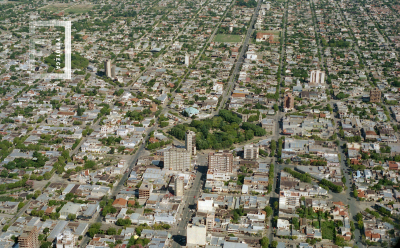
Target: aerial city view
[{"x": 199, "y": 123}]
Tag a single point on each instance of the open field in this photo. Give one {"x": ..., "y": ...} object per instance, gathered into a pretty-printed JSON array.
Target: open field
[
  {"x": 276, "y": 33},
  {"x": 80, "y": 8},
  {"x": 56, "y": 7},
  {"x": 227, "y": 38}
]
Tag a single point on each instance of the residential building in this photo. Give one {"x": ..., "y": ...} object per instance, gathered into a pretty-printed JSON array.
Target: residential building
[
  {"x": 145, "y": 190},
  {"x": 375, "y": 95},
  {"x": 317, "y": 77},
  {"x": 250, "y": 151},
  {"x": 65, "y": 240},
  {"x": 107, "y": 67},
  {"x": 221, "y": 161},
  {"x": 268, "y": 125},
  {"x": 29, "y": 237},
  {"x": 187, "y": 60},
  {"x": 178, "y": 186},
  {"x": 113, "y": 71},
  {"x": 210, "y": 221},
  {"x": 190, "y": 142},
  {"x": 288, "y": 102},
  {"x": 177, "y": 159}
]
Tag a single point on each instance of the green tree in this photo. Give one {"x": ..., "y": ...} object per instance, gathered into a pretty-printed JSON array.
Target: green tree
[
  {"x": 268, "y": 211},
  {"x": 112, "y": 231},
  {"x": 71, "y": 216},
  {"x": 296, "y": 224},
  {"x": 264, "y": 242},
  {"x": 276, "y": 108}
]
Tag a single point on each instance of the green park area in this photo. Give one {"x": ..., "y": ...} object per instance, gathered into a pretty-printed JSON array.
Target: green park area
[
  {"x": 227, "y": 38},
  {"x": 80, "y": 8}
]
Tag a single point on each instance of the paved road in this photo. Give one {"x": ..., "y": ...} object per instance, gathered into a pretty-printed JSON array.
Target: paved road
[
  {"x": 190, "y": 200},
  {"x": 120, "y": 184},
  {"x": 240, "y": 60},
  {"x": 213, "y": 34}
]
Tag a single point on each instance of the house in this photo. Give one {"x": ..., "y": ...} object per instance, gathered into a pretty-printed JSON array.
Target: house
[
  {"x": 120, "y": 203},
  {"x": 9, "y": 207}
]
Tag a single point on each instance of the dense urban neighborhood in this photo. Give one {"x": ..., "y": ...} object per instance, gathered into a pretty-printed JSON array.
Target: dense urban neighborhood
[{"x": 183, "y": 123}]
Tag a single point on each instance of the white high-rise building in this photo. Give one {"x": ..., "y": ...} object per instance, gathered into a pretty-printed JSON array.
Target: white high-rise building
[
  {"x": 210, "y": 221},
  {"x": 113, "y": 71},
  {"x": 178, "y": 186},
  {"x": 251, "y": 151},
  {"x": 190, "y": 142},
  {"x": 187, "y": 60},
  {"x": 317, "y": 77},
  {"x": 107, "y": 67}
]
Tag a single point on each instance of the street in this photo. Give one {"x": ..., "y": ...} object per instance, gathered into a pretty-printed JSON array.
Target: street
[{"x": 190, "y": 198}]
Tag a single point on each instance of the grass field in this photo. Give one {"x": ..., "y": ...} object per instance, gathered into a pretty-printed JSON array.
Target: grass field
[
  {"x": 56, "y": 7},
  {"x": 161, "y": 8},
  {"x": 80, "y": 8},
  {"x": 227, "y": 38},
  {"x": 276, "y": 33}
]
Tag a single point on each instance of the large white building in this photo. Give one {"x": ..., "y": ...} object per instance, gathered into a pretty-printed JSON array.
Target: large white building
[
  {"x": 69, "y": 208},
  {"x": 250, "y": 151},
  {"x": 178, "y": 186},
  {"x": 196, "y": 235},
  {"x": 187, "y": 60},
  {"x": 317, "y": 77},
  {"x": 107, "y": 68},
  {"x": 205, "y": 205}
]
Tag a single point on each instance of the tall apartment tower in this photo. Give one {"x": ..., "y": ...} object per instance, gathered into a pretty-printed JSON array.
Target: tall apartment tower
[
  {"x": 145, "y": 190},
  {"x": 178, "y": 190},
  {"x": 29, "y": 237},
  {"x": 288, "y": 102},
  {"x": 107, "y": 67},
  {"x": 190, "y": 142},
  {"x": 375, "y": 95},
  {"x": 113, "y": 71},
  {"x": 177, "y": 159},
  {"x": 250, "y": 151},
  {"x": 187, "y": 60},
  {"x": 317, "y": 77},
  {"x": 222, "y": 161},
  {"x": 210, "y": 221}
]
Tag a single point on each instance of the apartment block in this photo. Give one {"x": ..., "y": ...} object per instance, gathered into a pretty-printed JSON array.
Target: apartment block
[
  {"x": 177, "y": 159},
  {"x": 375, "y": 95},
  {"x": 250, "y": 151},
  {"x": 29, "y": 237},
  {"x": 222, "y": 161},
  {"x": 190, "y": 142},
  {"x": 145, "y": 190}
]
